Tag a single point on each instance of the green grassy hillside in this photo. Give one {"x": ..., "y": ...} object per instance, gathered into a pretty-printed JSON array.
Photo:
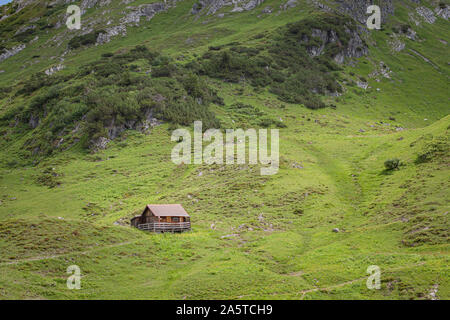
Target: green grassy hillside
[{"x": 66, "y": 202}]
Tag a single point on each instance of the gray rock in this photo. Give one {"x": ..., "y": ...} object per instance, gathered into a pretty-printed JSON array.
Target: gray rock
[
  {"x": 114, "y": 129},
  {"x": 252, "y": 4},
  {"x": 210, "y": 7},
  {"x": 444, "y": 13},
  {"x": 54, "y": 69},
  {"x": 363, "y": 85},
  {"x": 87, "y": 4},
  {"x": 357, "y": 9},
  {"x": 411, "y": 34},
  {"x": 433, "y": 292},
  {"x": 11, "y": 52},
  {"x": 426, "y": 14},
  {"x": 396, "y": 45},
  {"x": 111, "y": 32},
  {"x": 237, "y": 9},
  {"x": 145, "y": 10},
  {"x": 355, "y": 47},
  {"x": 34, "y": 121},
  {"x": 99, "y": 143},
  {"x": 267, "y": 10},
  {"x": 289, "y": 4},
  {"x": 25, "y": 28},
  {"x": 196, "y": 8},
  {"x": 413, "y": 19}
]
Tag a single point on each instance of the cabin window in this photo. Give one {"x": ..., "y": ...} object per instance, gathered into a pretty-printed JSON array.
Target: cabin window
[{"x": 175, "y": 219}]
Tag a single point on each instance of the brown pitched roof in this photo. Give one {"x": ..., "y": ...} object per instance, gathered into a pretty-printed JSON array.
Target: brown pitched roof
[{"x": 167, "y": 210}]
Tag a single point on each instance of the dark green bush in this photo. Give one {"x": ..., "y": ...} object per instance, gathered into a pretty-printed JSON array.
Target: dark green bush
[
  {"x": 285, "y": 66},
  {"x": 84, "y": 40},
  {"x": 392, "y": 164}
]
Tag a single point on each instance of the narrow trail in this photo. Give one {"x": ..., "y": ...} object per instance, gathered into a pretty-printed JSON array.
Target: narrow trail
[
  {"x": 56, "y": 256},
  {"x": 418, "y": 54}
]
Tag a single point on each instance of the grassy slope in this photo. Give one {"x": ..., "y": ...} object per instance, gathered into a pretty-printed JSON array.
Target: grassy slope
[{"x": 274, "y": 251}]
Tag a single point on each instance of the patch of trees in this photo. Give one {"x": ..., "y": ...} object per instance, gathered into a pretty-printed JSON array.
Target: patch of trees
[
  {"x": 84, "y": 40},
  {"x": 109, "y": 90},
  {"x": 285, "y": 67}
]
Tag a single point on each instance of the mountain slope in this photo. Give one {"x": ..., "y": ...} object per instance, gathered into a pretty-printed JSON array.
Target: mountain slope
[{"x": 116, "y": 92}]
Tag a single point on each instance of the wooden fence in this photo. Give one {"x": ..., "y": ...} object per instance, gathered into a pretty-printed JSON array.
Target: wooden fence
[{"x": 165, "y": 226}]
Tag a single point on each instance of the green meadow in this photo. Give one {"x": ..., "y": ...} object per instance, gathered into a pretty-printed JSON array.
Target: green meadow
[{"x": 308, "y": 232}]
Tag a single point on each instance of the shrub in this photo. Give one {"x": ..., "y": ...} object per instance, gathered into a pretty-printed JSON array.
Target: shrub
[
  {"x": 48, "y": 179},
  {"x": 84, "y": 40},
  {"x": 164, "y": 71},
  {"x": 392, "y": 164}
]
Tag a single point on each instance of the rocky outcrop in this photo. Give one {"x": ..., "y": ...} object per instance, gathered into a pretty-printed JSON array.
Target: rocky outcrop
[
  {"x": 443, "y": 12},
  {"x": 267, "y": 10},
  {"x": 34, "y": 121},
  {"x": 382, "y": 71},
  {"x": 145, "y": 10},
  {"x": 210, "y": 7},
  {"x": 355, "y": 48},
  {"x": 426, "y": 14},
  {"x": 111, "y": 32},
  {"x": 25, "y": 28},
  {"x": 22, "y": 4},
  {"x": 327, "y": 38},
  {"x": 320, "y": 5},
  {"x": 362, "y": 85},
  {"x": 357, "y": 9},
  {"x": 114, "y": 129},
  {"x": 99, "y": 144},
  {"x": 289, "y": 4},
  {"x": 410, "y": 34},
  {"x": 87, "y": 4},
  {"x": 396, "y": 45},
  {"x": 7, "y": 53},
  {"x": 252, "y": 4}
]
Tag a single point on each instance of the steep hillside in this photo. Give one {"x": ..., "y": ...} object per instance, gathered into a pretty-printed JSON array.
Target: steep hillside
[{"x": 86, "y": 118}]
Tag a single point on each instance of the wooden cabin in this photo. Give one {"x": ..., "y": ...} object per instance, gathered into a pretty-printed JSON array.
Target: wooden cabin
[{"x": 163, "y": 218}]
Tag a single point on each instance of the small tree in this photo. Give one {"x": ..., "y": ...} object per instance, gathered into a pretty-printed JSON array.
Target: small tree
[{"x": 392, "y": 164}]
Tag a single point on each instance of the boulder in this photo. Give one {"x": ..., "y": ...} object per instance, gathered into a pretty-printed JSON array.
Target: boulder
[{"x": 11, "y": 52}]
